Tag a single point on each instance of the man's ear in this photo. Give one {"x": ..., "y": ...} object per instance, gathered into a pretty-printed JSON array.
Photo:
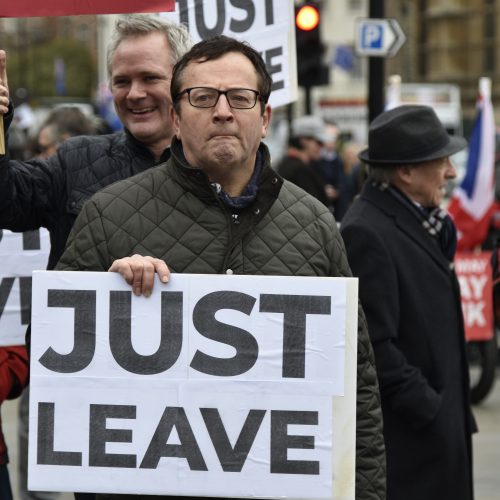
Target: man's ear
[
  {"x": 404, "y": 174},
  {"x": 175, "y": 122},
  {"x": 266, "y": 120}
]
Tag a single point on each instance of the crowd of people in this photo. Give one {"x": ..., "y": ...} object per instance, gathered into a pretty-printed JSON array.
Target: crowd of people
[
  {"x": 319, "y": 161},
  {"x": 200, "y": 114}
]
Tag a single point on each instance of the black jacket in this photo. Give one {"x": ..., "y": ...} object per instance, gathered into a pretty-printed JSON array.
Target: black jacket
[
  {"x": 304, "y": 176},
  {"x": 50, "y": 193},
  {"x": 411, "y": 299}
]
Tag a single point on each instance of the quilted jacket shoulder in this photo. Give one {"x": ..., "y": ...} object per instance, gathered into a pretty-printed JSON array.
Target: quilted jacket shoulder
[
  {"x": 50, "y": 193},
  {"x": 173, "y": 213}
]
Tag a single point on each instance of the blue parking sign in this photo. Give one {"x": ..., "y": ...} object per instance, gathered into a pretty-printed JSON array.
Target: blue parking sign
[
  {"x": 378, "y": 37},
  {"x": 372, "y": 36}
]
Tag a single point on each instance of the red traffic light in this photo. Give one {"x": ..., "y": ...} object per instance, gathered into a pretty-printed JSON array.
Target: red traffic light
[{"x": 307, "y": 18}]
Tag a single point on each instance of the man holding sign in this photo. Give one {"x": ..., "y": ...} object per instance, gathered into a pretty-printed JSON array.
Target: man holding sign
[{"x": 218, "y": 207}]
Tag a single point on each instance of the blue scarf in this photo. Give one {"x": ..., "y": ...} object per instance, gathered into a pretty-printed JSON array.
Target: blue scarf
[{"x": 248, "y": 195}]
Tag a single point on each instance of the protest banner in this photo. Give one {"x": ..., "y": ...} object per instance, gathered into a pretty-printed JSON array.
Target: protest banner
[
  {"x": 475, "y": 278},
  {"x": 49, "y": 8},
  {"x": 234, "y": 386},
  {"x": 20, "y": 254},
  {"x": 267, "y": 25}
]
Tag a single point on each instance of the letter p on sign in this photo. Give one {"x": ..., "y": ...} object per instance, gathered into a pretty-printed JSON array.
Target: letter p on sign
[{"x": 372, "y": 36}]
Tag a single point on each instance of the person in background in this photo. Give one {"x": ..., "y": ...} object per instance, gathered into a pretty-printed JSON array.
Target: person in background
[
  {"x": 217, "y": 206},
  {"x": 304, "y": 149},
  {"x": 61, "y": 124},
  {"x": 354, "y": 171},
  {"x": 51, "y": 192},
  {"x": 14, "y": 372},
  {"x": 401, "y": 244},
  {"x": 330, "y": 167}
]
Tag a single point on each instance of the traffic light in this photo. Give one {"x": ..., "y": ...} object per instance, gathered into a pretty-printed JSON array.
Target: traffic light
[{"x": 310, "y": 48}]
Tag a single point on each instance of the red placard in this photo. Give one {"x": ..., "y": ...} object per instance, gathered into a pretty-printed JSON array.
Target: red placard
[
  {"x": 474, "y": 275},
  {"x": 30, "y": 8}
]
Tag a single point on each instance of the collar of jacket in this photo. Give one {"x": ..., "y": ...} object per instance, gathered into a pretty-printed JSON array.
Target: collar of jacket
[
  {"x": 140, "y": 149},
  {"x": 268, "y": 183},
  {"x": 406, "y": 221}
]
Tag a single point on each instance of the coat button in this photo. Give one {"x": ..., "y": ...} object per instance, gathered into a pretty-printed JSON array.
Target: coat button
[{"x": 256, "y": 211}]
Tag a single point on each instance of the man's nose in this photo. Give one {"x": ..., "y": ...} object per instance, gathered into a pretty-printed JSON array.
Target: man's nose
[
  {"x": 451, "y": 171},
  {"x": 222, "y": 108},
  {"x": 136, "y": 90}
]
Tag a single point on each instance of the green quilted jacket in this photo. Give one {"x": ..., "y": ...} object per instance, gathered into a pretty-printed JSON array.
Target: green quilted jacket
[{"x": 172, "y": 212}]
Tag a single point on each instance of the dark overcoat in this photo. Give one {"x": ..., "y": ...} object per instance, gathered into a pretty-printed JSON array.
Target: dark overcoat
[{"x": 411, "y": 298}]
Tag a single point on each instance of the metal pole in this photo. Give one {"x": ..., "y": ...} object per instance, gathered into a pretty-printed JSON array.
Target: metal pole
[
  {"x": 307, "y": 89},
  {"x": 376, "y": 70}
]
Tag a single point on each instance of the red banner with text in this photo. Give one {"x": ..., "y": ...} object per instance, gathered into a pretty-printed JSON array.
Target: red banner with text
[
  {"x": 46, "y": 8},
  {"x": 474, "y": 275}
]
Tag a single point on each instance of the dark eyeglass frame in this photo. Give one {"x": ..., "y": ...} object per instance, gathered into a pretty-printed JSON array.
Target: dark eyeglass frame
[{"x": 227, "y": 93}]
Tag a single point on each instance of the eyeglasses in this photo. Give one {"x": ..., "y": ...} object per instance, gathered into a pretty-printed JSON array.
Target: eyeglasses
[{"x": 206, "y": 97}]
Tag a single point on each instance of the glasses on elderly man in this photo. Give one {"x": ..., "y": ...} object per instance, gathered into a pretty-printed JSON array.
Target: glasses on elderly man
[{"x": 207, "y": 97}]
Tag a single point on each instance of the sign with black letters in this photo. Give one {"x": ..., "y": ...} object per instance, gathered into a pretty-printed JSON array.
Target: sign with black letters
[
  {"x": 20, "y": 255},
  {"x": 264, "y": 24},
  {"x": 215, "y": 386}
]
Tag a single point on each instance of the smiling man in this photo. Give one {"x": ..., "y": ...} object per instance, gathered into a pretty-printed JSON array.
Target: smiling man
[
  {"x": 217, "y": 207},
  {"x": 401, "y": 245},
  {"x": 50, "y": 192}
]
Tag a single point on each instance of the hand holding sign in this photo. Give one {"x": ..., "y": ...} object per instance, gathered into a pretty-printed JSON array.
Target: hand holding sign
[
  {"x": 139, "y": 272},
  {"x": 4, "y": 96}
]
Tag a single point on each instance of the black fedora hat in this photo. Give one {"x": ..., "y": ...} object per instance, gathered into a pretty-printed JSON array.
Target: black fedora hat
[{"x": 408, "y": 134}]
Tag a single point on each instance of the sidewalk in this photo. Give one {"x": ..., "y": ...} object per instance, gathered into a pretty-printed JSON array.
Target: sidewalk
[{"x": 487, "y": 446}]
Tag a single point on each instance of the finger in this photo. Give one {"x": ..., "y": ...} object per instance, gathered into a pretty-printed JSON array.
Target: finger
[
  {"x": 137, "y": 268},
  {"x": 161, "y": 270},
  {"x": 148, "y": 278},
  {"x": 150, "y": 266},
  {"x": 122, "y": 267},
  {"x": 3, "y": 67}
]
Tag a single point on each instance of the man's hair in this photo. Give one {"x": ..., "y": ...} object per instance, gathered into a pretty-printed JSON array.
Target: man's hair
[
  {"x": 214, "y": 48},
  {"x": 382, "y": 173},
  {"x": 135, "y": 25},
  {"x": 67, "y": 121},
  {"x": 295, "y": 142}
]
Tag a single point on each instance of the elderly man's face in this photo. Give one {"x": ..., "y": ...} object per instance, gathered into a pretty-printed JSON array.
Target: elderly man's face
[
  {"x": 221, "y": 140},
  {"x": 427, "y": 182},
  {"x": 140, "y": 84}
]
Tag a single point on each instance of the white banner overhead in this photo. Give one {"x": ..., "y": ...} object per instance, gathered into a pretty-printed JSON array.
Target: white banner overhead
[
  {"x": 20, "y": 254},
  {"x": 267, "y": 25},
  {"x": 214, "y": 386}
]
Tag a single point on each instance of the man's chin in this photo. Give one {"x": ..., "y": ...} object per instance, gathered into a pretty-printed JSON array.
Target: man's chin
[{"x": 142, "y": 131}]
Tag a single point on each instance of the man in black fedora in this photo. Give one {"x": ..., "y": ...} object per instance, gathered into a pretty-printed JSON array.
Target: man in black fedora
[{"x": 401, "y": 244}]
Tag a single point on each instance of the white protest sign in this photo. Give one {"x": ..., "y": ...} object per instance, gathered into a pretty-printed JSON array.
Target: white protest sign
[
  {"x": 267, "y": 25},
  {"x": 20, "y": 254},
  {"x": 215, "y": 385}
]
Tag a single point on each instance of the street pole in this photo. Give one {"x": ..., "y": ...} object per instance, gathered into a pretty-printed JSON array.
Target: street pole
[
  {"x": 307, "y": 89},
  {"x": 376, "y": 70}
]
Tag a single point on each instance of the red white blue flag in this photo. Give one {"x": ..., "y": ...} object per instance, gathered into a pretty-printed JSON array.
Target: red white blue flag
[
  {"x": 47, "y": 8},
  {"x": 472, "y": 202}
]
